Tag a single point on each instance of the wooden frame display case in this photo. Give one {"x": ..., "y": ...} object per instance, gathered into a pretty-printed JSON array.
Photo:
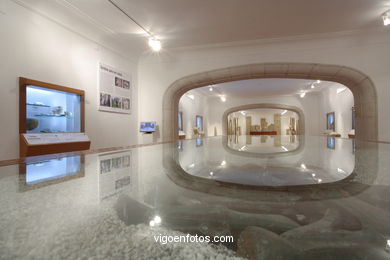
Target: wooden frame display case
[{"x": 54, "y": 126}]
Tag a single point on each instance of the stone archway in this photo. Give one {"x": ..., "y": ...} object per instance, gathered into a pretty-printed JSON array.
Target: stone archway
[
  {"x": 264, "y": 105},
  {"x": 362, "y": 87}
]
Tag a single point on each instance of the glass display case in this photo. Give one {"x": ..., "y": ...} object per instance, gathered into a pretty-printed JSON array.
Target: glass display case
[
  {"x": 52, "y": 111},
  {"x": 51, "y": 118}
]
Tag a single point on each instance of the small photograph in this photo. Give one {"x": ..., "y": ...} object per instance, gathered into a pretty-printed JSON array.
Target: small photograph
[
  {"x": 126, "y": 103},
  {"x": 105, "y": 100},
  {"x": 105, "y": 166},
  {"x": 126, "y": 84},
  {"x": 116, "y": 162},
  {"x": 118, "y": 82},
  {"x": 126, "y": 161},
  {"x": 116, "y": 102}
]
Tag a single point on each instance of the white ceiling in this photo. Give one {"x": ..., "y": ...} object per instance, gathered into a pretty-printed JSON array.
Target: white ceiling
[
  {"x": 184, "y": 23},
  {"x": 254, "y": 88}
]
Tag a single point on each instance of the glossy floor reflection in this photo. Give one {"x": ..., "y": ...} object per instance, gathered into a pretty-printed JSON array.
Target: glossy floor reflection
[
  {"x": 309, "y": 160},
  {"x": 264, "y": 144},
  {"x": 120, "y": 200}
]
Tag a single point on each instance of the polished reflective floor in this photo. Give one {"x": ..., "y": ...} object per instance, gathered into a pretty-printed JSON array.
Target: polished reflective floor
[
  {"x": 111, "y": 205},
  {"x": 266, "y": 160}
]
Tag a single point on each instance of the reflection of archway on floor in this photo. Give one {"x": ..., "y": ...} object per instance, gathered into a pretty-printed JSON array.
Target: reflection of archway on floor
[
  {"x": 361, "y": 85},
  {"x": 264, "y": 105}
]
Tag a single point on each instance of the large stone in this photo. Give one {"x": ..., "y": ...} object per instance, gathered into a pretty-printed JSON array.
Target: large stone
[
  {"x": 355, "y": 253},
  {"x": 328, "y": 232},
  {"x": 258, "y": 243}
]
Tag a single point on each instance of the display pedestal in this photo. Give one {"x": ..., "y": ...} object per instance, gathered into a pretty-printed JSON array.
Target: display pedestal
[
  {"x": 42, "y": 143},
  {"x": 147, "y": 138}
]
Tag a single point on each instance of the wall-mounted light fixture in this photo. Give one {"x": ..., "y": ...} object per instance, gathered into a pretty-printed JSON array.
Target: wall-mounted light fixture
[{"x": 153, "y": 42}]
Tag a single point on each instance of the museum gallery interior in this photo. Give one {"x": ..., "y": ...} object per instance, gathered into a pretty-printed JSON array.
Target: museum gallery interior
[{"x": 176, "y": 129}]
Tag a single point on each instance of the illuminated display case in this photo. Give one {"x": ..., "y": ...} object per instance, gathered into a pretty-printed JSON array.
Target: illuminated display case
[
  {"x": 51, "y": 119},
  {"x": 52, "y": 111}
]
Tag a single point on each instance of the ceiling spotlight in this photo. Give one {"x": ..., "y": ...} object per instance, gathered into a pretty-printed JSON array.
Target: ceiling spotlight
[
  {"x": 303, "y": 166},
  {"x": 211, "y": 89},
  {"x": 211, "y": 173},
  {"x": 312, "y": 86},
  {"x": 191, "y": 96},
  {"x": 318, "y": 81},
  {"x": 223, "y": 163},
  {"x": 386, "y": 18},
  {"x": 223, "y": 99},
  {"x": 302, "y": 95},
  {"x": 243, "y": 113},
  {"x": 155, "y": 44}
]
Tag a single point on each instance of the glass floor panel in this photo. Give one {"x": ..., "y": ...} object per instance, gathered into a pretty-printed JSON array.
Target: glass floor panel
[{"x": 131, "y": 204}]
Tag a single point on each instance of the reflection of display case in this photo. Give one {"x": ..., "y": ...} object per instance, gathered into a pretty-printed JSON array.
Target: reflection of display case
[
  {"x": 38, "y": 174},
  {"x": 52, "y": 116}
]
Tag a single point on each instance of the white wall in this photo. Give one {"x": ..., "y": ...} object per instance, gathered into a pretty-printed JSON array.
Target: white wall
[
  {"x": 37, "y": 48},
  {"x": 340, "y": 103},
  {"x": 190, "y": 109},
  {"x": 365, "y": 51}
]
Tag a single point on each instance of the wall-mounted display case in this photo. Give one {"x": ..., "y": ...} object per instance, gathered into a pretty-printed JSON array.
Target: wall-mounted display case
[{"x": 51, "y": 118}]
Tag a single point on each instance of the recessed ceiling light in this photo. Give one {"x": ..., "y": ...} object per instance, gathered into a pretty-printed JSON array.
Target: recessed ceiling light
[
  {"x": 302, "y": 95},
  {"x": 223, "y": 99},
  {"x": 386, "y": 18},
  {"x": 191, "y": 96},
  {"x": 312, "y": 86},
  {"x": 155, "y": 44},
  {"x": 318, "y": 81},
  {"x": 211, "y": 89}
]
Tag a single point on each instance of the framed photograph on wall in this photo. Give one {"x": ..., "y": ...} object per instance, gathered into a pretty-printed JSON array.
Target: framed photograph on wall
[{"x": 330, "y": 121}]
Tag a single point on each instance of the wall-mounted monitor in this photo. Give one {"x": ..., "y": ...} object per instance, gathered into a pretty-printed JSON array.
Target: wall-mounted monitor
[{"x": 148, "y": 127}]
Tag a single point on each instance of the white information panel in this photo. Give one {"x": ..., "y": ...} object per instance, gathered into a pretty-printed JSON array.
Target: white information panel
[
  {"x": 53, "y": 138},
  {"x": 114, "y": 90}
]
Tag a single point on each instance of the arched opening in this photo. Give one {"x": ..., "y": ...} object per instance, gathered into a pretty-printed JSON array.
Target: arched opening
[
  {"x": 365, "y": 99},
  {"x": 365, "y": 106}
]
